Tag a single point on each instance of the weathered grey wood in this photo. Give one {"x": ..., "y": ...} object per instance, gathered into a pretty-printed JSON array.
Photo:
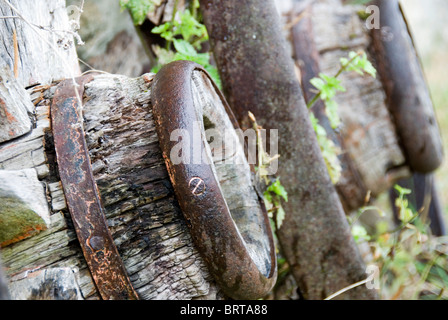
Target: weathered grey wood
[
  {"x": 142, "y": 212},
  {"x": 15, "y": 106},
  {"x": 147, "y": 225},
  {"x": 57, "y": 196},
  {"x": 28, "y": 150},
  {"x": 4, "y": 290},
  {"x": 372, "y": 158},
  {"x": 46, "y": 284},
  {"x": 136, "y": 191},
  {"x": 38, "y": 62}
]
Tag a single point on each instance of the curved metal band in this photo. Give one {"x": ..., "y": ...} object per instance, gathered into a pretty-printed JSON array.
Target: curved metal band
[
  {"x": 407, "y": 94},
  {"x": 213, "y": 230},
  {"x": 82, "y": 195}
]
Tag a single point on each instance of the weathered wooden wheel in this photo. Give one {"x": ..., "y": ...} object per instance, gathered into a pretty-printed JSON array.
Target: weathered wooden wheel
[{"x": 141, "y": 205}]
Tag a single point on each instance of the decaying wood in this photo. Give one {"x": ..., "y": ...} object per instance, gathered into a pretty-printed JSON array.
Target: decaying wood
[
  {"x": 141, "y": 209},
  {"x": 15, "y": 106},
  {"x": 372, "y": 158},
  {"x": 28, "y": 150},
  {"x": 47, "y": 284},
  {"x": 4, "y": 291},
  {"x": 143, "y": 215},
  {"x": 38, "y": 61}
]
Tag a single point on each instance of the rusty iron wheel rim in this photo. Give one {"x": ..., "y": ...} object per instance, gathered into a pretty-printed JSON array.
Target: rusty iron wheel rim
[
  {"x": 406, "y": 90},
  {"x": 82, "y": 196},
  {"x": 212, "y": 228}
]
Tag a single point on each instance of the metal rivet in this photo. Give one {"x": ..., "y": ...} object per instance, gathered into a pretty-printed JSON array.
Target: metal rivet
[{"x": 96, "y": 243}]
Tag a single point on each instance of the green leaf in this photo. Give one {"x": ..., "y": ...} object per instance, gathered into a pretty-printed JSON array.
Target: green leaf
[
  {"x": 165, "y": 31},
  {"x": 278, "y": 189},
  {"x": 214, "y": 74},
  {"x": 184, "y": 47},
  {"x": 405, "y": 214},
  {"x": 317, "y": 83},
  {"x": 360, "y": 233},
  {"x": 280, "y": 216},
  {"x": 402, "y": 191},
  {"x": 332, "y": 113},
  {"x": 138, "y": 8},
  {"x": 185, "y": 51},
  {"x": 199, "y": 58},
  {"x": 189, "y": 27},
  {"x": 267, "y": 196},
  {"x": 193, "y": 33},
  {"x": 164, "y": 56},
  {"x": 328, "y": 86},
  {"x": 358, "y": 63},
  {"x": 332, "y": 82}
]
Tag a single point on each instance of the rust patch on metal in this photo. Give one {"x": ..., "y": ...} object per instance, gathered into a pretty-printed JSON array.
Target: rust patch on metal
[
  {"x": 199, "y": 194},
  {"x": 82, "y": 195}
]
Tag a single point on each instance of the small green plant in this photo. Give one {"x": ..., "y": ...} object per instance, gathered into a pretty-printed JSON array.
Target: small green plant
[
  {"x": 329, "y": 150},
  {"x": 139, "y": 8},
  {"x": 184, "y": 35},
  {"x": 327, "y": 87},
  {"x": 412, "y": 262},
  {"x": 186, "y": 26},
  {"x": 275, "y": 191},
  {"x": 405, "y": 213},
  {"x": 273, "y": 195}
]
